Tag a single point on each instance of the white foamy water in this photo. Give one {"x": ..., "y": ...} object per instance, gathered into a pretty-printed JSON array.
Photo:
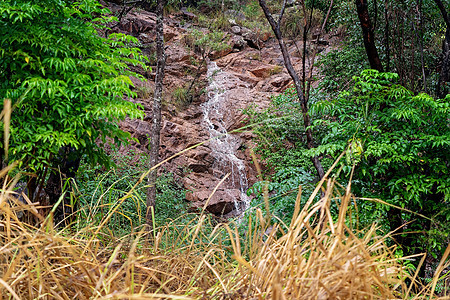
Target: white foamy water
[{"x": 224, "y": 146}]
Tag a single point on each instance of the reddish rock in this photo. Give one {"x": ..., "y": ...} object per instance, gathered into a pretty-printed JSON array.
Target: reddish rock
[
  {"x": 265, "y": 36},
  {"x": 264, "y": 71},
  {"x": 250, "y": 80},
  {"x": 177, "y": 54},
  {"x": 169, "y": 33},
  {"x": 187, "y": 15},
  {"x": 221, "y": 203}
]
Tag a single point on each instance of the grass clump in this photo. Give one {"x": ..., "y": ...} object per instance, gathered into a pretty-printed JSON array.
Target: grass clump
[
  {"x": 275, "y": 70},
  {"x": 220, "y": 22},
  {"x": 316, "y": 257},
  {"x": 181, "y": 97},
  {"x": 144, "y": 91},
  {"x": 104, "y": 193},
  {"x": 293, "y": 22}
]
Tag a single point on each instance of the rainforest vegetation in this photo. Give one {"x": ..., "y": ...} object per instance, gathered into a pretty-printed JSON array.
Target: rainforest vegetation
[{"x": 352, "y": 193}]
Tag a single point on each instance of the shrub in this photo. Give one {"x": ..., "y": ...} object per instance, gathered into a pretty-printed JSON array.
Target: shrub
[
  {"x": 67, "y": 83},
  {"x": 294, "y": 20},
  {"x": 144, "y": 91},
  {"x": 275, "y": 70},
  {"x": 401, "y": 146},
  {"x": 399, "y": 142},
  {"x": 253, "y": 11},
  {"x": 101, "y": 192}
]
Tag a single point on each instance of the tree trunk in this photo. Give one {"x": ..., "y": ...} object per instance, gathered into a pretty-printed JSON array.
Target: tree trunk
[
  {"x": 386, "y": 35},
  {"x": 368, "y": 35},
  {"x": 296, "y": 79},
  {"x": 444, "y": 78},
  {"x": 422, "y": 60},
  {"x": 156, "y": 122},
  {"x": 67, "y": 165}
]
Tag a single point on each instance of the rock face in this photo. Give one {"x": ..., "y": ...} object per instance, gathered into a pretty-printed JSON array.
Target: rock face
[{"x": 197, "y": 137}]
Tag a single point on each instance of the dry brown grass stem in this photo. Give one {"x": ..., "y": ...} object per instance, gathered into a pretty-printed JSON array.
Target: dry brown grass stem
[{"x": 317, "y": 257}]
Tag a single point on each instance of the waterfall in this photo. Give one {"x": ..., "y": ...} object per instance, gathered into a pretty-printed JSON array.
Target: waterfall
[{"x": 223, "y": 145}]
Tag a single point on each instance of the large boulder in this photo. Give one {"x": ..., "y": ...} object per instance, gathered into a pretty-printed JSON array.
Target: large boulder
[{"x": 220, "y": 203}]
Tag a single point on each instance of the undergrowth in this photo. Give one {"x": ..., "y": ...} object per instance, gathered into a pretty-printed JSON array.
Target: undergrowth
[
  {"x": 256, "y": 257},
  {"x": 100, "y": 191},
  {"x": 315, "y": 257}
]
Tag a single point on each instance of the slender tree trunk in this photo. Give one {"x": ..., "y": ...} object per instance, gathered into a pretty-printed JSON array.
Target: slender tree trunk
[
  {"x": 386, "y": 35},
  {"x": 444, "y": 78},
  {"x": 197, "y": 74},
  {"x": 67, "y": 164},
  {"x": 306, "y": 27},
  {"x": 368, "y": 35},
  {"x": 5, "y": 134},
  {"x": 156, "y": 122},
  {"x": 422, "y": 60},
  {"x": 295, "y": 78}
]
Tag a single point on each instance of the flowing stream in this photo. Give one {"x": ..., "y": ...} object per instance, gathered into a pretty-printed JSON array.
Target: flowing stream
[{"x": 224, "y": 145}]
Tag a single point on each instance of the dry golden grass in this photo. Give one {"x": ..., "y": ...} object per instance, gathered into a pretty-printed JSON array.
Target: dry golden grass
[{"x": 315, "y": 258}]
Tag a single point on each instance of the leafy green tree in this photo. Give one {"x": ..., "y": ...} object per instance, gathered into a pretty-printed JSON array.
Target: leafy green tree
[
  {"x": 281, "y": 144},
  {"x": 399, "y": 142},
  {"x": 401, "y": 145},
  {"x": 395, "y": 24},
  {"x": 67, "y": 83}
]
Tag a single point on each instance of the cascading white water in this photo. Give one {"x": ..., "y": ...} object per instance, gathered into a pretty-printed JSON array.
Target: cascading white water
[{"x": 223, "y": 144}]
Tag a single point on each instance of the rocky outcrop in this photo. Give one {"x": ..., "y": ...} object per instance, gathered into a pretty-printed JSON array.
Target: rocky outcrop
[{"x": 253, "y": 71}]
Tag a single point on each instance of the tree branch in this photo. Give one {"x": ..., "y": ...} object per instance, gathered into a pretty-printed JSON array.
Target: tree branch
[
  {"x": 443, "y": 12},
  {"x": 368, "y": 35},
  {"x": 297, "y": 84}
]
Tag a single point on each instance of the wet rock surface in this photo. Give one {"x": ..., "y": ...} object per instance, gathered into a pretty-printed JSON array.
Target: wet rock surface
[{"x": 249, "y": 73}]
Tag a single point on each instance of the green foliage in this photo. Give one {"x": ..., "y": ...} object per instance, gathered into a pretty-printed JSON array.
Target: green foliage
[
  {"x": 252, "y": 10},
  {"x": 280, "y": 139},
  {"x": 337, "y": 66},
  {"x": 292, "y": 24},
  {"x": 294, "y": 21},
  {"x": 321, "y": 5},
  {"x": 209, "y": 42},
  {"x": 283, "y": 191},
  {"x": 399, "y": 36},
  {"x": 101, "y": 192},
  {"x": 399, "y": 142},
  {"x": 404, "y": 142},
  {"x": 67, "y": 83},
  {"x": 220, "y": 22},
  {"x": 182, "y": 97}
]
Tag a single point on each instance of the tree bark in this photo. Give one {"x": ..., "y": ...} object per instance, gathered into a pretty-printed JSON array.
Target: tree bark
[
  {"x": 368, "y": 35},
  {"x": 386, "y": 35},
  {"x": 67, "y": 164},
  {"x": 296, "y": 79},
  {"x": 156, "y": 121},
  {"x": 422, "y": 60},
  {"x": 444, "y": 78}
]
